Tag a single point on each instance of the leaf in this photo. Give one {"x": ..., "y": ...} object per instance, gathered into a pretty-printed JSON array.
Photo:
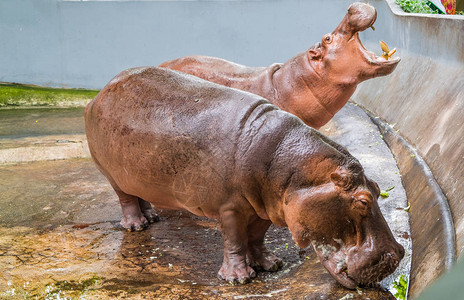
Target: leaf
[
  {"x": 384, "y": 47},
  {"x": 401, "y": 286},
  {"x": 407, "y": 209},
  {"x": 384, "y": 193}
]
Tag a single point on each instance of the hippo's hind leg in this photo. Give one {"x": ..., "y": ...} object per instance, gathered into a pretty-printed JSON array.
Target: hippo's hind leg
[
  {"x": 132, "y": 206},
  {"x": 258, "y": 255},
  {"x": 234, "y": 267},
  {"x": 148, "y": 211}
]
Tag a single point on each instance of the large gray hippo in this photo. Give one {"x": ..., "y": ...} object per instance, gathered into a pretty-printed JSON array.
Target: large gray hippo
[
  {"x": 313, "y": 85},
  {"x": 179, "y": 142}
]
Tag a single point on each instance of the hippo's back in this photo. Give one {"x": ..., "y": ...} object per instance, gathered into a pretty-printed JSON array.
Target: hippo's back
[
  {"x": 154, "y": 128},
  {"x": 213, "y": 69}
]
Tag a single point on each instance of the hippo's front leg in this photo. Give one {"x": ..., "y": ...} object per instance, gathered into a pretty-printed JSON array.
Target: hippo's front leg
[
  {"x": 259, "y": 256},
  {"x": 148, "y": 211},
  {"x": 234, "y": 234}
]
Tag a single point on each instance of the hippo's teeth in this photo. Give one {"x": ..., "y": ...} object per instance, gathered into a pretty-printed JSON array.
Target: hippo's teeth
[
  {"x": 372, "y": 27},
  {"x": 391, "y": 52}
]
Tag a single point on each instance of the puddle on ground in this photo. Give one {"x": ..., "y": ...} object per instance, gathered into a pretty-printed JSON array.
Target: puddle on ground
[
  {"x": 59, "y": 239},
  {"x": 27, "y": 122}
]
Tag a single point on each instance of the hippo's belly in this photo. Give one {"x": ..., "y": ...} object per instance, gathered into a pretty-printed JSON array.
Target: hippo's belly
[{"x": 169, "y": 140}]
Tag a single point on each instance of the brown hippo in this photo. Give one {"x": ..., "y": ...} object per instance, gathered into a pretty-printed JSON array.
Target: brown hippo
[
  {"x": 183, "y": 143},
  {"x": 313, "y": 85}
]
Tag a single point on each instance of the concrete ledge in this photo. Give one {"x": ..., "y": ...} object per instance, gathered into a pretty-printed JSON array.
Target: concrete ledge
[
  {"x": 432, "y": 227},
  {"x": 43, "y": 148}
]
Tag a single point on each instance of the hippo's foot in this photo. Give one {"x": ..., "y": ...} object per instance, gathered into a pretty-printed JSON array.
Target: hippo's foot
[
  {"x": 264, "y": 260},
  {"x": 236, "y": 274},
  {"x": 151, "y": 215},
  {"x": 134, "y": 223},
  {"x": 148, "y": 211},
  {"x": 133, "y": 219}
]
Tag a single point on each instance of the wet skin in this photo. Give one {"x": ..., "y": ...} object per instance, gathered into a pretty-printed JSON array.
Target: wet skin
[
  {"x": 313, "y": 85},
  {"x": 179, "y": 142}
]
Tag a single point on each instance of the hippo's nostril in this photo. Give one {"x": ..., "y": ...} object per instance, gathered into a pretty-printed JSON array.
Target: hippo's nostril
[{"x": 400, "y": 252}]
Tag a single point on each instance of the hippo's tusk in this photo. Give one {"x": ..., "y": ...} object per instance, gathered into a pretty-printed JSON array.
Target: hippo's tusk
[
  {"x": 373, "y": 28},
  {"x": 391, "y": 52}
]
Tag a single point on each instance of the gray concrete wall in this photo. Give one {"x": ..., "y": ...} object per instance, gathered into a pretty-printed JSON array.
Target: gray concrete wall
[
  {"x": 424, "y": 100},
  {"x": 86, "y": 43}
]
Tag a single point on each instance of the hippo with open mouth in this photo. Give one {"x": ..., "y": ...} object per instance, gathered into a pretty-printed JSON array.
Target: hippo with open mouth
[
  {"x": 313, "y": 85},
  {"x": 179, "y": 142}
]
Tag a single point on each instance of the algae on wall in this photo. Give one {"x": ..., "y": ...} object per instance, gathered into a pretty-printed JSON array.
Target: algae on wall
[{"x": 13, "y": 95}]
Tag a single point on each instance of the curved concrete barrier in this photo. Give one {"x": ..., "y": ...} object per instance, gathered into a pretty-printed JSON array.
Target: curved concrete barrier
[
  {"x": 424, "y": 100},
  {"x": 432, "y": 229}
]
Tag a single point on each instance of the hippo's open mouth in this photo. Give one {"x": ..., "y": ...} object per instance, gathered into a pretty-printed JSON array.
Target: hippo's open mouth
[
  {"x": 360, "y": 17},
  {"x": 341, "y": 275},
  {"x": 372, "y": 58},
  {"x": 335, "y": 262}
]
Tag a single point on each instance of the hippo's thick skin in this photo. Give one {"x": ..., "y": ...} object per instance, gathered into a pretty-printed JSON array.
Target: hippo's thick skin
[
  {"x": 313, "y": 85},
  {"x": 179, "y": 142}
]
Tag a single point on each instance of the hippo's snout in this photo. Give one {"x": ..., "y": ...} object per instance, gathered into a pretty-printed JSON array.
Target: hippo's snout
[
  {"x": 378, "y": 268},
  {"x": 359, "y": 265},
  {"x": 361, "y": 16}
]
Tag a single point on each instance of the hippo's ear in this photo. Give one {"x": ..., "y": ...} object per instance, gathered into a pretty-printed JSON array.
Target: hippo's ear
[
  {"x": 340, "y": 179},
  {"x": 374, "y": 187},
  {"x": 315, "y": 53}
]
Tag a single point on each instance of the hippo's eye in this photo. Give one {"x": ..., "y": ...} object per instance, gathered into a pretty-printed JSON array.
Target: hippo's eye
[
  {"x": 328, "y": 39},
  {"x": 361, "y": 206},
  {"x": 361, "y": 202}
]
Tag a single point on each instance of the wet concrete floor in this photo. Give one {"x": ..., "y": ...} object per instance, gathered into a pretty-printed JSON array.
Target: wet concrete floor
[{"x": 59, "y": 237}]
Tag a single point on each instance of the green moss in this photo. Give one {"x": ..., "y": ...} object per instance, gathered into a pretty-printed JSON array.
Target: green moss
[
  {"x": 78, "y": 285},
  {"x": 24, "y": 95},
  {"x": 67, "y": 289}
]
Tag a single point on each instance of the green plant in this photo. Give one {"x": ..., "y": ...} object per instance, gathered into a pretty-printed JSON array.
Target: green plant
[
  {"x": 401, "y": 287},
  {"x": 415, "y": 6},
  {"x": 384, "y": 193}
]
